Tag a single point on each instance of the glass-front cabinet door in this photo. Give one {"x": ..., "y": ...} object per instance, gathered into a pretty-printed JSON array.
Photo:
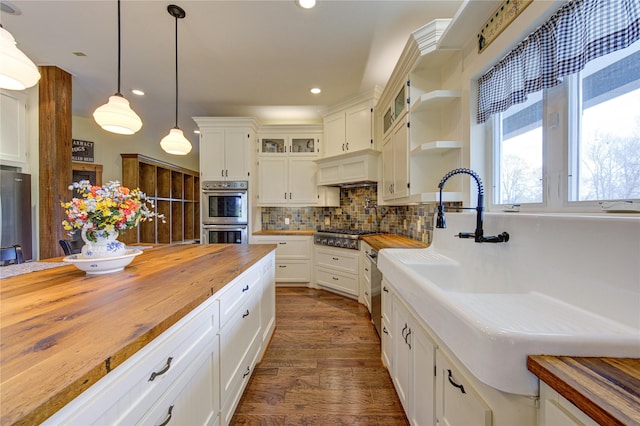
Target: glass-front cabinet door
[
  {"x": 304, "y": 145},
  {"x": 273, "y": 145}
]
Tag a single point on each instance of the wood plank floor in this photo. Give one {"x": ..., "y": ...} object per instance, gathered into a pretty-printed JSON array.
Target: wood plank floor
[{"x": 322, "y": 367}]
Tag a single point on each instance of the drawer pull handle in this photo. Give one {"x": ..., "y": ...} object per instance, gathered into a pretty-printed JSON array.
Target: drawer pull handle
[
  {"x": 282, "y": 243},
  {"x": 246, "y": 314},
  {"x": 454, "y": 384},
  {"x": 385, "y": 289},
  {"x": 246, "y": 373},
  {"x": 335, "y": 279},
  {"x": 167, "y": 418},
  {"x": 384, "y": 330},
  {"x": 335, "y": 258},
  {"x": 366, "y": 269},
  {"x": 246, "y": 288},
  {"x": 406, "y": 339},
  {"x": 403, "y": 330},
  {"x": 161, "y": 372},
  {"x": 282, "y": 266}
]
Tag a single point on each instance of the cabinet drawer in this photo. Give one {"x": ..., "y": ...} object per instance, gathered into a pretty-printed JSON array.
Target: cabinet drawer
[
  {"x": 346, "y": 283},
  {"x": 338, "y": 260},
  {"x": 296, "y": 247},
  {"x": 293, "y": 271},
  {"x": 387, "y": 344},
  {"x": 238, "y": 292},
  {"x": 236, "y": 339},
  {"x": 192, "y": 399},
  {"x": 124, "y": 395}
]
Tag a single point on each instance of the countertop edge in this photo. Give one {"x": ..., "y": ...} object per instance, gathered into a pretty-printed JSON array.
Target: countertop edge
[{"x": 548, "y": 369}]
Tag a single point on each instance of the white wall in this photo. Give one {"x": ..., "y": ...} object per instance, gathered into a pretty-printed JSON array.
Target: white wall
[{"x": 109, "y": 146}]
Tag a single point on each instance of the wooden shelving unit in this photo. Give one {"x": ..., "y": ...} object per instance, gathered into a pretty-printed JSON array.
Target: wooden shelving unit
[{"x": 175, "y": 192}]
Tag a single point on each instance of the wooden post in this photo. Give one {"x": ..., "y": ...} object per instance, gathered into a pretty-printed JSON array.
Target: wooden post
[{"x": 54, "y": 156}]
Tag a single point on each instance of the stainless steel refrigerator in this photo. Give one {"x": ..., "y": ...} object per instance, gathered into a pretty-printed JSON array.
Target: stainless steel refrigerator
[{"x": 15, "y": 211}]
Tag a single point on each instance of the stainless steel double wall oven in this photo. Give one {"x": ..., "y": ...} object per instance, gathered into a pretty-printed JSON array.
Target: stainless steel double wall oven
[{"x": 225, "y": 212}]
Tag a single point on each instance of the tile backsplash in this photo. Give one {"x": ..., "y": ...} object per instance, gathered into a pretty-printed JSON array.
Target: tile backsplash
[{"x": 358, "y": 210}]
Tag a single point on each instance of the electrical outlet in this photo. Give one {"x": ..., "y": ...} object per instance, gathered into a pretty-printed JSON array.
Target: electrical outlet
[
  {"x": 404, "y": 224},
  {"x": 327, "y": 221},
  {"x": 419, "y": 227},
  {"x": 287, "y": 221}
]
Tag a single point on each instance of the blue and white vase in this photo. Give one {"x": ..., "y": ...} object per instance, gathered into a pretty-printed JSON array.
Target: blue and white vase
[{"x": 106, "y": 244}]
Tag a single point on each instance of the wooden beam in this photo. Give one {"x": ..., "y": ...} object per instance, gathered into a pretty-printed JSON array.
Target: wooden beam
[{"x": 54, "y": 130}]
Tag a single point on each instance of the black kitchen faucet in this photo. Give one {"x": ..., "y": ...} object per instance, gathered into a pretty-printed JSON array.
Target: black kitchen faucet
[{"x": 478, "y": 235}]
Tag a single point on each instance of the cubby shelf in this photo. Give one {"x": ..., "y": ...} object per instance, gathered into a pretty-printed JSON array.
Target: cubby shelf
[
  {"x": 175, "y": 192},
  {"x": 434, "y": 100}
]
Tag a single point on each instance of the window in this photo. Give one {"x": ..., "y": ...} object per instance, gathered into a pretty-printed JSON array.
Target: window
[{"x": 594, "y": 129}]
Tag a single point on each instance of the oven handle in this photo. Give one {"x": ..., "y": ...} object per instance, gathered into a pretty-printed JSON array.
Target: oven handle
[
  {"x": 223, "y": 193},
  {"x": 227, "y": 227}
]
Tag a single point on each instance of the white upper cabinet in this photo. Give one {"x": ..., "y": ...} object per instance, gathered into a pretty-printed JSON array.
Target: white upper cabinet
[
  {"x": 350, "y": 129},
  {"x": 13, "y": 151},
  {"x": 224, "y": 147},
  {"x": 427, "y": 91}
]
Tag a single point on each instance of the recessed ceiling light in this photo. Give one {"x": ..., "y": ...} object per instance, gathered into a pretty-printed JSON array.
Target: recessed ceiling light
[
  {"x": 79, "y": 53},
  {"x": 137, "y": 92},
  {"x": 316, "y": 90},
  {"x": 306, "y": 4}
]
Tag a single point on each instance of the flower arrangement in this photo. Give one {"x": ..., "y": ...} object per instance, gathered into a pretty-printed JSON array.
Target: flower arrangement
[{"x": 106, "y": 208}]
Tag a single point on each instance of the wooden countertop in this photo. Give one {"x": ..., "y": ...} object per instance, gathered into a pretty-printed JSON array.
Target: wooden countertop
[
  {"x": 380, "y": 241},
  {"x": 63, "y": 330},
  {"x": 285, "y": 232},
  {"x": 606, "y": 389}
]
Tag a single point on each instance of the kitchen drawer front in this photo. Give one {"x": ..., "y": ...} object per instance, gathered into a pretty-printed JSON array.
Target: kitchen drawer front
[
  {"x": 127, "y": 392},
  {"x": 387, "y": 344},
  {"x": 237, "y": 293},
  {"x": 293, "y": 271},
  {"x": 346, "y": 283},
  {"x": 338, "y": 260},
  {"x": 236, "y": 339},
  {"x": 193, "y": 399},
  {"x": 239, "y": 382},
  {"x": 289, "y": 247}
]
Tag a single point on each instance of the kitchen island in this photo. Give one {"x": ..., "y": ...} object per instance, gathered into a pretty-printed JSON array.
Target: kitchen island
[{"x": 62, "y": 330}]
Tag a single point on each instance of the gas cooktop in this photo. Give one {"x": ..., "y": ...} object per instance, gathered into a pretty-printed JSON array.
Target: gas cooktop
[
  {"x": 341, "y": 231},
  {"x": 343, "y": 238}
]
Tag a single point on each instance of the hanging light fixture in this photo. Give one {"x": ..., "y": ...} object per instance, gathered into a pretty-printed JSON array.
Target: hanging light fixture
[
  {"x": 175, "y": 142},
  {"x": 17, "y": 71},
  {"x": 116, "y": 116}
]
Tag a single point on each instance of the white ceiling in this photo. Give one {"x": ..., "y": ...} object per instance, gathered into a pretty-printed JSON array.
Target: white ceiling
[{"x": 236, "y": 58}]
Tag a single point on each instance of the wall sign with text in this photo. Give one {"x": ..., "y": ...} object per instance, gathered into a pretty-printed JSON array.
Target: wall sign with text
[{"x": 82, "y": 151}]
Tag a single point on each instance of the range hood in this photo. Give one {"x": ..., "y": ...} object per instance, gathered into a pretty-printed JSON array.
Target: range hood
[{"x": 352, "y": 169}]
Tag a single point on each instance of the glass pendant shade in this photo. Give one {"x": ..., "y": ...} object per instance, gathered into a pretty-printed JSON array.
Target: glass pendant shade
[
  {"x": 116, "y": 116},
  {"x": 17, "y": 71},
  {"x": 175, "y": 143}
]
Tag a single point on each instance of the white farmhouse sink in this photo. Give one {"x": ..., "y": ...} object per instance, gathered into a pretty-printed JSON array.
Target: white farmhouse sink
[{"x": 491, "y": 307}]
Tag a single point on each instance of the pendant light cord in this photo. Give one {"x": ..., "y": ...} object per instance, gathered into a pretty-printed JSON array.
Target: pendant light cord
[
  {"x": 118, "y": 93},
  {"x": 176, "y": 72}
]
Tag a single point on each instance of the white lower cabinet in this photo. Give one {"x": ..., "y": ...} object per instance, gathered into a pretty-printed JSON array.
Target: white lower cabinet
[
  {"x": 195, "y": 371},
  {"x": 387, "y": 331},
  {"x": 412, "y": 372},
  {"x": 293, "y": 257},
  {"x": 557, "y": 410},
  {"x": 338, "y": 269},
  {"x": 457, "y": 403},
  {"x": 365, "y": 275}
]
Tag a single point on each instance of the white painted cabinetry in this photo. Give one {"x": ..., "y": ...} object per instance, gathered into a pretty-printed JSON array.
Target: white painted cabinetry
[
  {"x": 13, "y": 142},
  {"x": 349, "y": 130},
  {"x": 338, "y": 269},
  {"x": 365, "y": 275},
  {"x": 557, "y": 410},
  {"x": 224, "y": 147},
  {"x": 293, "y": 257},
  {"x": 395, "y": 162},
  {"x": 195, "y": 370},
  {"x": 387, "y": 335}
]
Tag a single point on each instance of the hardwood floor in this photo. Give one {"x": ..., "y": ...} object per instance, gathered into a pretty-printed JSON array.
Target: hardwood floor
[{"x": 322, "y": 367}]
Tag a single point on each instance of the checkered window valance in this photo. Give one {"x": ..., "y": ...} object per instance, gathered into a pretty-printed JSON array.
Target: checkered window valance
[{"x": 580, "y": 31}]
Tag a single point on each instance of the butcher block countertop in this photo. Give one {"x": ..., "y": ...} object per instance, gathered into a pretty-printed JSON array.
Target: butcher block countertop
[
  {"x": 308, "y": 232},
  {"x": 381, "y": 241},
  {"x": 606, "y": 389},
  {"x": 63, "y": 330}
]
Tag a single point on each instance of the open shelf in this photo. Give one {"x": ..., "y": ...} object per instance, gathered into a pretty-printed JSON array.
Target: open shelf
[
  {"x": 175, "y": 192},
  {"x": 435, "y": 100},
  {"x": 435, "y": 147},
  {"x": 434, "y": 197}
]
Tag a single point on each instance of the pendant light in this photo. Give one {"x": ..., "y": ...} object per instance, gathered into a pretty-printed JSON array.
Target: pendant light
[
  {"x": 116, "y": 116},
  {"x": 175, "y": 142},
  {"x": 17, "y": 71}
]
